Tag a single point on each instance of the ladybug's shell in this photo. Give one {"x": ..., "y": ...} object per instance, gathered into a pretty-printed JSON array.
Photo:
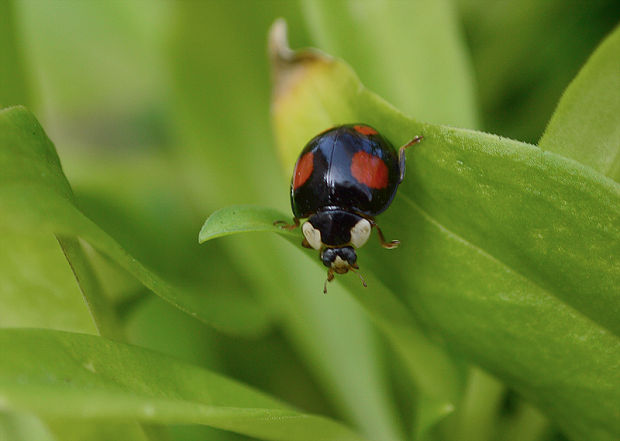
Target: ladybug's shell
[{"x": 350, "y": 167}]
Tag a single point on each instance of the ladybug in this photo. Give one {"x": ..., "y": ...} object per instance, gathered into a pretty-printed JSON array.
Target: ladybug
[{"x": 343, "y": 178}]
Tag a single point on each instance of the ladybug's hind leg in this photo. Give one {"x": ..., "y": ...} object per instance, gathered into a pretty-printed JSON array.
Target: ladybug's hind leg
[
  {"x": 282, "y": 224},
  {"x": 385, "y": 244},
  {"x": 401, "y": 159}
]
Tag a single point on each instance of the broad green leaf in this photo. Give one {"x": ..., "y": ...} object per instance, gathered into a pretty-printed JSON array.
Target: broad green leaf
[
  {"x": 410, "y": 53},
  {"x": 221, "y": 102},
  {"x": 509, "y": 252},
  {"x": 586, "y": 123},
  {"x": 34, "y": 191},
  {"x": 61, "y": 375}
]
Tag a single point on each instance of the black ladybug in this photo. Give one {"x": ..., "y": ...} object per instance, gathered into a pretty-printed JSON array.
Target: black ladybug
[{"x": 343, "y": 178}]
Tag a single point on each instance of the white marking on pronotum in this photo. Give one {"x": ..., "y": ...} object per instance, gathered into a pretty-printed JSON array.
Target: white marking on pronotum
[
  {"x": 360, "y": 233},
  {"x": 312, "y": 235}
]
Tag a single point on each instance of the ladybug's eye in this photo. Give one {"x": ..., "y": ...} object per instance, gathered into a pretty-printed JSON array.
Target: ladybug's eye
[
  {"x": 348, "y": 255},
  {"x": 339, "y": 258},
  {"x": 328, "y": 256}
]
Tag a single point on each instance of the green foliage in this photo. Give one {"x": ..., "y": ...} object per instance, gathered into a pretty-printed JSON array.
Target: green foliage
[
  {"x": 90, "y": 377},
  {"x": 496, "y": 319},
  {"x": 503, "y": 236},
  {"x": 39, "y": 198},
  {"x": 586, "y": 124}
]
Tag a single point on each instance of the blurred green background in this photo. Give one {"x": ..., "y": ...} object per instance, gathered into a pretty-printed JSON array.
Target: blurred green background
[{"x": 160, "y": 115}]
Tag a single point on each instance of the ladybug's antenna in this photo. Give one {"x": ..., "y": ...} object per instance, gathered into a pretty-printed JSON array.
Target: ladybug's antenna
[{"x": 360, "y": 276}]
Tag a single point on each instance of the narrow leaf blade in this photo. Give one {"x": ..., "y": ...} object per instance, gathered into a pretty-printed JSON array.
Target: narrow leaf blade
[{"x": 586, "y": 124}]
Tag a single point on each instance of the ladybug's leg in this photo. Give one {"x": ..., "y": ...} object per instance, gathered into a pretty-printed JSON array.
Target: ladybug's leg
[
  {"x": 388, "y": 245},
  {"x": 286, "y": 226},
  {"x": 330, "y": 277},
  {"x": 305, "y": 244},
  {"x": 401, "y": 157}
]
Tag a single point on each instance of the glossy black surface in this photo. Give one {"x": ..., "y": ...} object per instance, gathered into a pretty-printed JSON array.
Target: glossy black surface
[{"x": 331, "y": 184}]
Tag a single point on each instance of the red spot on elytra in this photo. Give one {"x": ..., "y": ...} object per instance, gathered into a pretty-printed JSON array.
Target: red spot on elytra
[
  {"x": 365, "y": 130},
  {"x": 303, "y": 170},
  {"x": 370, "y": 170}
]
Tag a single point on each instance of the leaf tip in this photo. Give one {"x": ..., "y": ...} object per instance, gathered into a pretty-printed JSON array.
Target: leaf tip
[{"x": 287, "y": 65}]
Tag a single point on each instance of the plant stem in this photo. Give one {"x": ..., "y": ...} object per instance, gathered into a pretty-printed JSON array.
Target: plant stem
[{"x": 476, "y": 417}]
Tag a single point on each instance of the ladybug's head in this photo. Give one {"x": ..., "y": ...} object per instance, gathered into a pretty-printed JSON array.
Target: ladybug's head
[
  {"x": 336, "y": 233},
  {"x": 339, "y": 260}
]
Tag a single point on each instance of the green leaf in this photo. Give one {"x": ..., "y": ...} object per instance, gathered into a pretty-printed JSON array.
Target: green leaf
[
  {"x": 509, "y": 252},
  {"x": 410, "y": 53},
  {"x": 242, "y": 219},
  {"x": 61, "y": 375},
  {"x": 35, "y": 196},
  {"x": 586, "y": 123}
]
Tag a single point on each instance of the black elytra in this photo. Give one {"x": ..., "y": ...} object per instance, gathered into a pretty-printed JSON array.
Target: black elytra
[{"x": 343, "y": 178}]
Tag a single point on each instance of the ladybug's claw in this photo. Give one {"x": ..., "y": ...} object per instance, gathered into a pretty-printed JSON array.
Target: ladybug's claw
[{"x": 282, "y": 224}]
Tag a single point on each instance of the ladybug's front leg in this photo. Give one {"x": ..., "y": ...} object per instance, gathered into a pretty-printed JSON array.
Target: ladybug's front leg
[
  {"x": 330, "y": 277},
  {"x": 286, "y": 226},
  {"x": 401, "y": 157}
]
